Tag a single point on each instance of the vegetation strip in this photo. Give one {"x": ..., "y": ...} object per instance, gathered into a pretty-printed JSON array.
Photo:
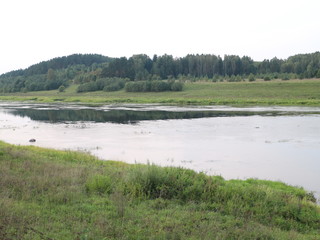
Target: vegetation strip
[
  {"x": 50, "y": 194},
  {"x": 293, "y": 92}
]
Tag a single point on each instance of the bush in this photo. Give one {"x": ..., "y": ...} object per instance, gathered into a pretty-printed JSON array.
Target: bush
[
  {"x": 138, "y": 86},
  {"x": 159, "y": 86},
  {"x": 177, "y": 86},
  {"x": 153, "y": 86},
  {"x": 251, "y": 78},
  {"x": 99, "y": 184},
  {"x": 216, "y": 78},
  {"x": 105, "y": 84},
  {"x": 61, "y": 88},
  {"x": 114, "y": 84},
  {"x": 232, "y": 78},
  {"x": 170, "y": 183},
  {"x": 88, "y": 87},
  {"x": 238, "y": 78}
]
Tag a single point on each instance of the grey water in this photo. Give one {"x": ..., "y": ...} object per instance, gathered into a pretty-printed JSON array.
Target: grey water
[{"x": 273, "y": 143}]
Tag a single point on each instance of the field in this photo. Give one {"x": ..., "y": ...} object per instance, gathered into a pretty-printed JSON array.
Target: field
[
  {"x": 50, "y": 194},
  {"x": 275, "y": 92}
]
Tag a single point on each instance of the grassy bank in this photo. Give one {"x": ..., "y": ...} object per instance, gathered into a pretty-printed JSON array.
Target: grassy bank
[
  {"x": 49, "y": 194},
  {"x": 276, "y": 92}
]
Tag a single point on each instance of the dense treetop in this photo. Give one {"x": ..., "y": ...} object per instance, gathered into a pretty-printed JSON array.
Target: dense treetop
[
  {"x": 89, "y": 68},
  {"x": 59, "y": 63}
]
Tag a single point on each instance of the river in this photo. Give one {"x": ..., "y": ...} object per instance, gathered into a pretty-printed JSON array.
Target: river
[{"x": 273, "y": 143}]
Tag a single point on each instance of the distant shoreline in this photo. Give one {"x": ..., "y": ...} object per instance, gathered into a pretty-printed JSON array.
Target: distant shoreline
[{"x": 276, "y": 92}]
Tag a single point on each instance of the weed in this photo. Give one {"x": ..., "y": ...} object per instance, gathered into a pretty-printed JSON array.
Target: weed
[
  {"x": 99, "y": 184},
  {"x": 120, "y": 201}
]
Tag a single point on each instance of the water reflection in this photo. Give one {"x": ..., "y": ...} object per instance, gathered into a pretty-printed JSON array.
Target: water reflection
[{"x": 130, "y": 116}]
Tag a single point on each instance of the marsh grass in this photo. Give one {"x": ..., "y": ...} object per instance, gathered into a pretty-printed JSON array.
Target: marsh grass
[{"x": 49, "y": 194}]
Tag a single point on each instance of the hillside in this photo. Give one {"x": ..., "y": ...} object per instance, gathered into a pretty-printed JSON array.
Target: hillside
[
  {"x": 94, "y": 72},
  {"x": 52, "y": 74}
]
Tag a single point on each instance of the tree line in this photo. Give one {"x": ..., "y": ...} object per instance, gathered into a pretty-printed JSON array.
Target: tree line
[
  {"x": 88, "y": 70},
  {"x": 142, "y": 67}
]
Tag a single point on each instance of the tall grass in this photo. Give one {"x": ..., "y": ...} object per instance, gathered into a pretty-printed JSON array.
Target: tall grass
[{"x": 48, "y": 194}]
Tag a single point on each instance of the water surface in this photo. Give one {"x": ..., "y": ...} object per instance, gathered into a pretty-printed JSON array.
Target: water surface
[{"x": 274, "y": 143}]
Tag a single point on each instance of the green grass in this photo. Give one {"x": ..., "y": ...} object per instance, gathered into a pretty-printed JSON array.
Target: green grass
[
  {"x": 50, "y": 194},
  {"x": 277, "y": 92}
]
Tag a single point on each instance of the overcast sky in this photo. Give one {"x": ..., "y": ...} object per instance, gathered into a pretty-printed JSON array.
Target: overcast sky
[{"x": 38, "y": 30}]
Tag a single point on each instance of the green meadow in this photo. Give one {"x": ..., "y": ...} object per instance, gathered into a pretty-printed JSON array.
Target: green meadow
[
  {"x": 50, "y": 194},
  {"x": 275, "y": 92}
]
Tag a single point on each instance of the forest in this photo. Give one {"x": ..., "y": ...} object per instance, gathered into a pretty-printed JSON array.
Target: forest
[{"x": 95, "y": 72}]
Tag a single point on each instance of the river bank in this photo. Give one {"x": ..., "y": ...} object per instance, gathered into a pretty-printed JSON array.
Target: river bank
[
  {"x": 271, "y": 143},
  {"x": 276, "y": 92},
  {"x": 66, "y": 195}
]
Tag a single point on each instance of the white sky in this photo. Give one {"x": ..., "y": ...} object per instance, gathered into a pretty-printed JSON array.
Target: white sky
[{"x": 38, "y": 30}]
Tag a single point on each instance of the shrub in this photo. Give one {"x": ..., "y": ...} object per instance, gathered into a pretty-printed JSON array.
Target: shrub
[
  {"x": 170, "y": 183},
  {"x": 285, "y": 77},
  {"x": 238, "y": 78},
  {"x": 105, "y": 84},
  {"x": 61, "y": 88},
  {"x": 216, "y": 78},
  {"x": 99, "y": 184},
  {"x": 159, "y": 86},
  {"x": 159, "y": 203},
  {"x": 153, "y": 86},
  {"x": 251, "y": 78},
  {"x": 87, "y": 87},
  {"x": 135, "y": 86},
  {"x": 114, "y": 84},
  {"x": 232, "y": 78},
  {"x": 177, "y": 86},
  {"x": 266, "y": 78}
]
